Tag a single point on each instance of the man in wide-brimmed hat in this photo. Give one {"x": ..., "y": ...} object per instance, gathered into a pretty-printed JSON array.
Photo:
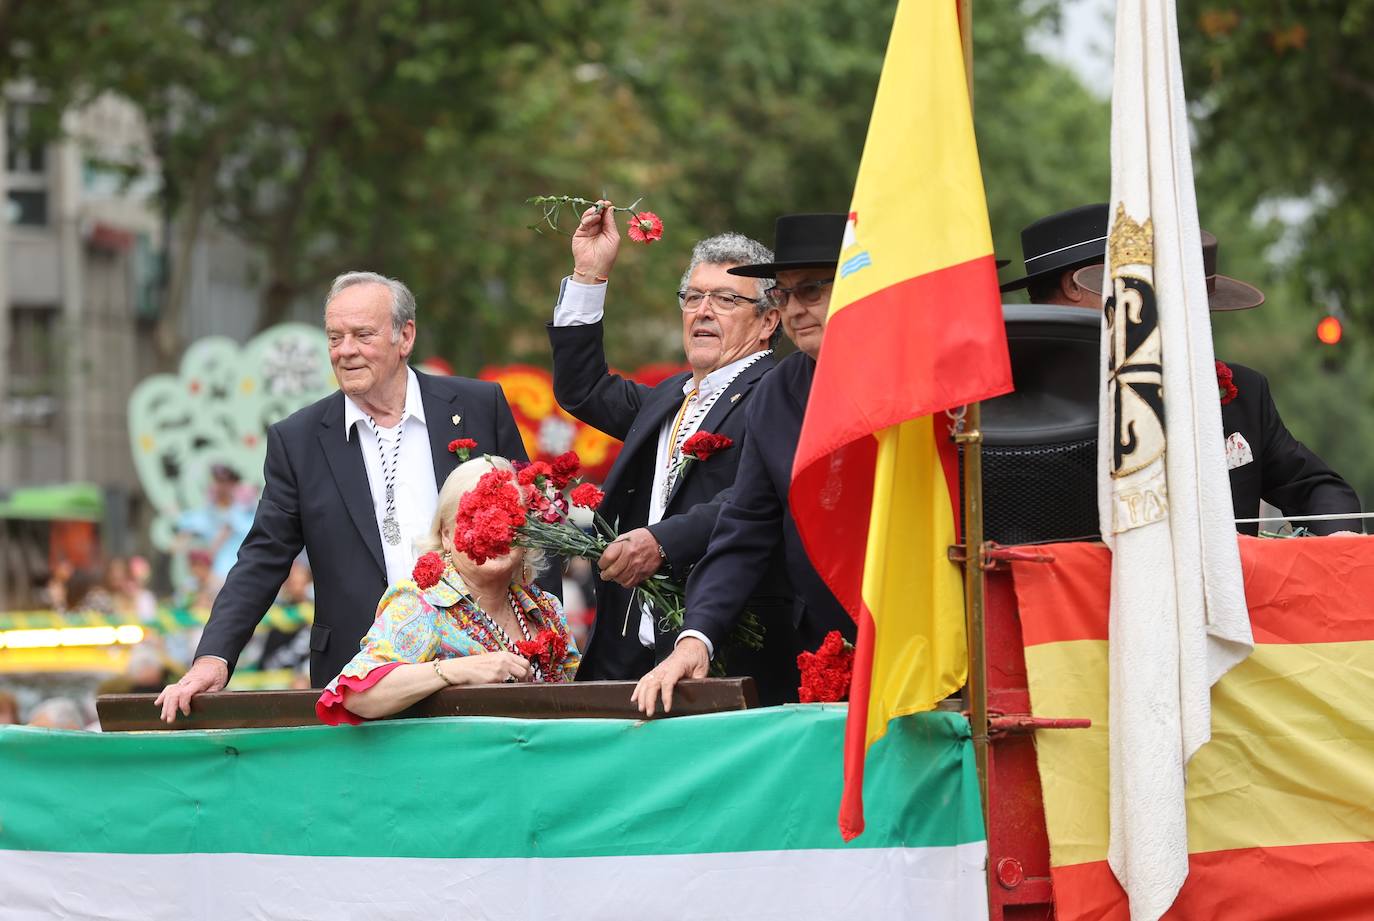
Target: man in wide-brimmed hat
[
  {"x": 1065, "y": 257},
  {"x": 755, "y": 520}
]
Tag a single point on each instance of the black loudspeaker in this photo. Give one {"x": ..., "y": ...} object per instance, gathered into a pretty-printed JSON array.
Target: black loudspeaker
[{"x": 1040, "y": 442}]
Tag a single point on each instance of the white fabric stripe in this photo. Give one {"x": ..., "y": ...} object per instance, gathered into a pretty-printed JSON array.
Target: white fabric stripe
[
  {"x": 940, "y": 884},
  {"x": 1028, "y": 260}
]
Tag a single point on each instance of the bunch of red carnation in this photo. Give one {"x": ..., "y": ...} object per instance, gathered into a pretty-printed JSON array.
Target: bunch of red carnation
[
  {"x": 825, "y": 673},
  {"x": 488, "y": 515},
  {"x": 703, "y": 444},
  {"x": 462, "y": 447},
  {"x": 546, "y": 652},
  {"x": 1226, "y": 383},
  {"x": 429, "y": 569}
]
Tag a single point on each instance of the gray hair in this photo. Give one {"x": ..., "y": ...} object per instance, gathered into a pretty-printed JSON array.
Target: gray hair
[
  {"x": 402, "y": 301},
  {"x": 734, "y": 249},
  {"x": 57, "y": 713}
]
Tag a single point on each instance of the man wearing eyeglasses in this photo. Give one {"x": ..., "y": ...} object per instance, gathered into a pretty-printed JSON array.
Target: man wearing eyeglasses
[
  {"x": 755, "y": 522},
  {"x": 663, "y": 509}
]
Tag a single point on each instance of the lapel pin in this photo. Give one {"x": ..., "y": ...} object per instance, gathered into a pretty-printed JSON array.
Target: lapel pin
[
  {"x": 735, "y": 398},
  {"x": 457, "y": 418}
]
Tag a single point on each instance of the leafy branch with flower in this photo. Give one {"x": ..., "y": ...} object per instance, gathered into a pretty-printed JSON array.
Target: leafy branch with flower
[{"x": 644, "y": 226}]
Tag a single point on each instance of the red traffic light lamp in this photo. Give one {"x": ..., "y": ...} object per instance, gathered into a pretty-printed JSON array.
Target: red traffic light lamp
[{"x": 1329, "y": 330}]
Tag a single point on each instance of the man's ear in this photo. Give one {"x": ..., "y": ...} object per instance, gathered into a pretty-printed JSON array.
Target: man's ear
[
  {"x": 1071, "y": 290},
  {"x": 407, "y": 339},
  {"x": 771, "y": 318}
]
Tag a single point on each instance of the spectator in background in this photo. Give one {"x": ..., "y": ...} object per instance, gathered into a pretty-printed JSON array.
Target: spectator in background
[
  {"x": 144, "y": 601},
  {"x": 220, "y": 526},
  {"x": 146, "y": 673},
  {"x": 55, "y": 592},
  {"x": 57, "y": 713},
  {"x": 202, "y": 583},
  {"x": 9, "y": 709},
  {"x": 290, "y": 648}
]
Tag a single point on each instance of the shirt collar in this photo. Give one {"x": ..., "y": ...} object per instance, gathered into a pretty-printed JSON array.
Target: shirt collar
[
  {"x": 415, "y": 407},
  {"x": 722, "y": 376}
]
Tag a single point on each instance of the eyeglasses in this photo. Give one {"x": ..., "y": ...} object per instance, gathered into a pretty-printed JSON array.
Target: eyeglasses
[
  {"x": 808, "y": 292},
  {"x": 724, "y": 301}
]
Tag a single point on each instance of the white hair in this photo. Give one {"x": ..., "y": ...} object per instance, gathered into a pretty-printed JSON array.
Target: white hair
[
  {"x": 459, "y": 483},
  {"x": 402, "y": 301},
  {"x": 57, "y": 713}
]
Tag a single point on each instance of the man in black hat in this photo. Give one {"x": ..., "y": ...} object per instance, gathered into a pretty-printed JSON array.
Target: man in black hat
[
  {"x": 1065, "y": 257},
  {"x": 663, "y": 509},
  {"x": 755, "y": 520}
]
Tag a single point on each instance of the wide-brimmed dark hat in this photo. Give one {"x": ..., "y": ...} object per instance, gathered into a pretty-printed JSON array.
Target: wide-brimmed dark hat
[
  {"x": 1223, "y": 293},
  {"x": 801, "y": 241},
  {"x": 1061, "y": 241}
]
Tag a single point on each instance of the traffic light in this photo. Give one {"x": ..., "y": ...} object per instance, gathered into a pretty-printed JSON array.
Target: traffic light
[{"x": 1329, "y": 330}]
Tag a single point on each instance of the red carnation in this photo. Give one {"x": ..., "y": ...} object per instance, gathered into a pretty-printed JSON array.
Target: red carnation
[
  {"x": 703, "y": 444},
  {"x": 825, "y": 673},
  {"x": 565, "y": 467},
  {"x": 533, "y": 472},
  {"x": 488, "y": 515},
  {"x": 429, "y": 569},
  {"x": 461, "y": 447},
  {"x": 585, "y": 495},
  {"x": 1226, "y": 385},
  {"x": 645, "y": 227},
  {"x": 547, "y": 651}
]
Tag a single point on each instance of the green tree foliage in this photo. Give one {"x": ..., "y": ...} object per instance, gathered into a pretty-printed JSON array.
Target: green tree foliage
[
  {"x": 1283, "y": 102},
  {"x": 1289, "y": 87},
  {"x": 404, "y": 135}
]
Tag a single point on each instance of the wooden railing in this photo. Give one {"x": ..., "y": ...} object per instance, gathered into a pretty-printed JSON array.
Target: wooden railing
[{"x": 578, "y": 700}]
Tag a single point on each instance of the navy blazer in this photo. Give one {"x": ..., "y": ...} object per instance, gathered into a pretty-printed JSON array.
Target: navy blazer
[
  {"x": 1284, "y": 472},
  {"x": 635, "y": 413},
  {"x": 755, "y": 521},
  {"x": 316, "y": 497}
]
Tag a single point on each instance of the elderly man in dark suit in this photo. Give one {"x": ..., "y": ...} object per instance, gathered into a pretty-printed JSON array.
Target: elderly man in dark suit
[
  {"x": 1064, "y": 255},
  {"x": 663, "y": 509},
  {"x": 755, "y": 521},
  {"x": 352, "y": 479}
]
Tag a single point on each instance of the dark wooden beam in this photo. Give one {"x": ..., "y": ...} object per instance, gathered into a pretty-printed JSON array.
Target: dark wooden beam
[{"x": 581, "y": 699}]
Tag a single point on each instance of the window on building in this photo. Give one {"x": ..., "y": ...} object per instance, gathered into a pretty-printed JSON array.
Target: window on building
[
  {"x": 26, "y": 168},
  {"x": 35, "y": 362}
]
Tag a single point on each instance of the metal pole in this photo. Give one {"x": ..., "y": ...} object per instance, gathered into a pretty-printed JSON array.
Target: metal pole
[{"x": 972, "y": 440}]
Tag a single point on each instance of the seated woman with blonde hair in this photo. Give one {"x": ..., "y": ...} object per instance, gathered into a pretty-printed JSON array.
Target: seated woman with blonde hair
[{"x": 462, "y": 629}]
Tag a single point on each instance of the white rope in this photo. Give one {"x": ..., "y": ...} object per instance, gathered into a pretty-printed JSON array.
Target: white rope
[{"x": 1334, "y": 517}]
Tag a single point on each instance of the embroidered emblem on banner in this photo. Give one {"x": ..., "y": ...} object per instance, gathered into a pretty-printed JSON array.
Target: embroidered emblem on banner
[
  {"x": 850, "y": 264},
  {"x": 1238, "y": 452},
  {"x": 1135, "y": 377}
]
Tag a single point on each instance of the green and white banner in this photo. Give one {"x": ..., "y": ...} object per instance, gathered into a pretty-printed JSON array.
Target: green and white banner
[{"x": 725, "y": 816}]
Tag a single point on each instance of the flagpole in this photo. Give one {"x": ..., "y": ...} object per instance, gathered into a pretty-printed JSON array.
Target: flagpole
[{"x": 972, "y": 440}]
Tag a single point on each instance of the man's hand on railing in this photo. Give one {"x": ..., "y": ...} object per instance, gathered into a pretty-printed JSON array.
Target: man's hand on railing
[
  {"x": 206, "y": 674},
  {"x": 689, "y": 659}
]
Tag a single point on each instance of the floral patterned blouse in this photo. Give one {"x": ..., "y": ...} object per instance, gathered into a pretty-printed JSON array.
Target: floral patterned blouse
[{"x": 441, "y": 622}]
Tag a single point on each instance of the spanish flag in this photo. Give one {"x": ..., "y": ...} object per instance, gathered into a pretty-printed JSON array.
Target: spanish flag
[
  {"x": 914, "y": 329},
  {"x": 1277, "y": 807}
]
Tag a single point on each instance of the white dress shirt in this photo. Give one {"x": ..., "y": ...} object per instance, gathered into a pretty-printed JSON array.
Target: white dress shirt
[
  {"x": 580, "y": 305},
  {"x": 417, "y": 496}
]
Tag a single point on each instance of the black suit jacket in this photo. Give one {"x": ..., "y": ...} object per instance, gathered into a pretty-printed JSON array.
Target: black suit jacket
[
  {"x": 316, "y": 497},
  {"x": 635, "y": 413},
  {"x": 755, "y": 521},
  {"x": 1284, "y": 472}
]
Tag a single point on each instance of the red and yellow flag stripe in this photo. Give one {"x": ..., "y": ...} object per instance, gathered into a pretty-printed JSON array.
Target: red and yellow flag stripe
[
  {"x": 915, "y": 328},
  {"x": 1279, "y": 824}
]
